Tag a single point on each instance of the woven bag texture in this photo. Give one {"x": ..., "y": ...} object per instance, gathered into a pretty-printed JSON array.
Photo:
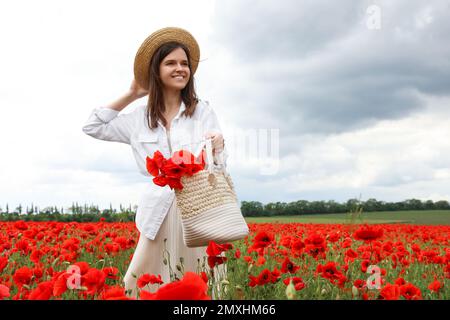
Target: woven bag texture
[{"x": 198, "y": 195}]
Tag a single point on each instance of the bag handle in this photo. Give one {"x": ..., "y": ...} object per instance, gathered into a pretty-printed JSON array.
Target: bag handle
[
  {"x": 207, "y": 144},
  {"x": 209, "y": 155}
]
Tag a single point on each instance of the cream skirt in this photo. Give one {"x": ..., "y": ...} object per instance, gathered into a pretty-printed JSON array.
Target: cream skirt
[{"x": 150, "y": 254}]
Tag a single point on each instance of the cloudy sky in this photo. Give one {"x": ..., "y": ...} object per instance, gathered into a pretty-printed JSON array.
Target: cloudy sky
[{"x": 357, "y": 94}]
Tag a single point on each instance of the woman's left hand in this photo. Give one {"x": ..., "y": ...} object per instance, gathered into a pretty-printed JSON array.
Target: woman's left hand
[{"x": 218, "y": 142}]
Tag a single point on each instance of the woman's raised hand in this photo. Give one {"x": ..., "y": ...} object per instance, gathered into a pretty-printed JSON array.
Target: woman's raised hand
[
  {"x": 218, "y": 142},
  {"x": 137, "y": 91}
]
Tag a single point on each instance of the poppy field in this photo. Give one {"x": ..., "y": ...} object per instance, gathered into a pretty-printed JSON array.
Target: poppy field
[{"x": 66, "y": 261}]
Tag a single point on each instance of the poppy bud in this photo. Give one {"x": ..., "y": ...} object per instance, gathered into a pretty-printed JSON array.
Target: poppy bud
[
  {"x": 354, "y": 291},
  {"x": 239, "y": 293},
  {"x": 290, "y": 291}
]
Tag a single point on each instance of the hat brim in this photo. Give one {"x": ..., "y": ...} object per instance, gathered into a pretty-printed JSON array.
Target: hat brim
[{"x": 156, "y": 40}]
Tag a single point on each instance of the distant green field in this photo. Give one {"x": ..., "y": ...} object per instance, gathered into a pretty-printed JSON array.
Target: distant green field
[{"x": 431, "y": 217}]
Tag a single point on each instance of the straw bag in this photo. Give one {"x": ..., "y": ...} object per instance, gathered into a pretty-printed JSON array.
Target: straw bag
[{"x": 209, "y": 206}]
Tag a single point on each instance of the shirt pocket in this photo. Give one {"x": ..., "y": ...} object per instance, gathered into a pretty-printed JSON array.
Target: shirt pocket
[{"x": 148, "y": 142}]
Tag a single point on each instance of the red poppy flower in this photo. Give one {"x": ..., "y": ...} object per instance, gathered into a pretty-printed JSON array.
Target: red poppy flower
[
  {"x": 94, "y": 280},
  {"x": 333, "y": 237},
  {"x": 23, "y": 246},
  {"x": 330, "y": 272},
  {"x": 71, "y": 244},
  {"x": 297, "y": 282},
  {"x": 84, "y": 266},
  {"x": 262, "y": 240},
  {"x": 350, "y": 254},
  {"x": 43, "y": 291},
  {"x": 163, "y": 180},
  {"x": 264, "y": 277},
  {"x": 36, "y": 255},
  {"x": 435, "y": 286},
  {"x": 188, "y": 162},
  {"x": 315, "y": 240},
  {"x": 190, "y": 287},
  {"x": 276, "y": 274},
  {"x": 368, "y": 233},
  {"x": 111, "y": 273},
  {"x": 4, "y": 292},
  {"x": 159, "y": 158},
  {"x": 213, "y": 261},
  {"x": 22, "y": 276},
  {"x": 174, "y": 183},
  {"x": 248, "y": 259},
  {"x": 37, "y": 271},
  {"x": 410, "y": 292},
  {"x": 297, "y": 245},
  {"x": 260, "y": 261},
  {"x": 447, "y": 270},
  {"x": 152, "y": 167},
  {"x": 20, "y": 225},
  {"x": 122, "y": 241},
  {"x": 390, "y": 292},
  {"x": 155, "y": 164},
  {"x": 146, "y": 278},
  {"x": 288, "y": 266},
  {"x": 215, "y": 249},
  {"x": 115, "y": 293},
  {"x": 172, "y": 170},
  {"x": 360, "y": 284},
  {"x": 60, "y": 285},
  {"x": 365, "y": 265},
  {"x": 3, "y": 263},
  {"x": 400, "y": 281},
  {"x": 160, "y": 180},
  {"x": 204, "y": 276}
]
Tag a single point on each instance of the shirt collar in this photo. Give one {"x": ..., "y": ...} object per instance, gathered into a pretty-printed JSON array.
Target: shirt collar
[{"x": 182, "y": 108}]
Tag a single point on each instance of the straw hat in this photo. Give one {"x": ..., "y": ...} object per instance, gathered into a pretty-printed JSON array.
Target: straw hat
[{"x": 153, "y": 42}]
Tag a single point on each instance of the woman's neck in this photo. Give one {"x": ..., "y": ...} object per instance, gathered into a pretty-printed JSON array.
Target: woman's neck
[{"x": 172, "y": 100}]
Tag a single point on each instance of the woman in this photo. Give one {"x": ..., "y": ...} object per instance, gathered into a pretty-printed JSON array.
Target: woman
[{"x": 173, "y": 119}]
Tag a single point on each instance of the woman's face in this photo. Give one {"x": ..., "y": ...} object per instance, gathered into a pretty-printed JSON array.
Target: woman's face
[{"x": 174, "y": 70}]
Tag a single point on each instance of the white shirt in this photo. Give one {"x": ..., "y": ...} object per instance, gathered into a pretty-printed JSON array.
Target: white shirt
[{"x": 131, "y": 128}]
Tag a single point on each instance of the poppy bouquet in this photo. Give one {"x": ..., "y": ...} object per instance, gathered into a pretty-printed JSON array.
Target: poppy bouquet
[
  {"x": 206, "y": 199},
  {"x": 170, "y": 171}
]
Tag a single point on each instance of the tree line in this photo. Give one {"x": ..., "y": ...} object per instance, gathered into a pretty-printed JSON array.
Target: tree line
[
  {"x": 92, "y": 213},
  {"x": 76, "y": 212},
  {"x": 302, "y": 207}
]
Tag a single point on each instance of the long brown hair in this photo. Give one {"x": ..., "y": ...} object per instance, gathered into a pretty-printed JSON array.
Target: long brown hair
[{"x": 155, "y": 105}]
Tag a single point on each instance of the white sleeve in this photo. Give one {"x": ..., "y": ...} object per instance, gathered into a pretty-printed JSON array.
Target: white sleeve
[
  {"x": 212, "y": 125},
  {"x": 106, "y": 124}
]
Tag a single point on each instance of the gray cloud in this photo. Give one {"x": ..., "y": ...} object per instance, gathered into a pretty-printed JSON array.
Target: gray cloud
[
  {"x": 267, "y": 30},
  {"x": 319, "y": 69}
]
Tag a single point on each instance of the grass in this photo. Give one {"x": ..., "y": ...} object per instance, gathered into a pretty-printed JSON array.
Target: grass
[{"x": 422, "y": 217}]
